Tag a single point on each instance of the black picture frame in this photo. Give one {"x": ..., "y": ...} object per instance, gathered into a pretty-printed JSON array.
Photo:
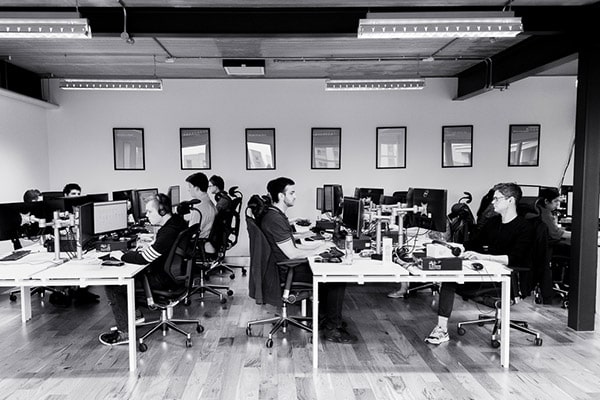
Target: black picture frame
[
  {"x": 194, "y": 136},
  {"x": 520, "y": 135},
  {"x": 450, "y": 136},
  {"x": 379, "y": 140},
  {"x": 257, "y": 158},
  {"x": 324, "y": 135},
  {"x": 123, "y": 138}
]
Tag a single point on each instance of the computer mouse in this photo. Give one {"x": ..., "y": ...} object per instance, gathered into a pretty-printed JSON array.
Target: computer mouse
[{"x": 477, "y": 266}]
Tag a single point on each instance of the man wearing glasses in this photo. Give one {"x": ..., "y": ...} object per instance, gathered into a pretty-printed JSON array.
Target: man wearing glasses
[{"x": 505, "y": 238}]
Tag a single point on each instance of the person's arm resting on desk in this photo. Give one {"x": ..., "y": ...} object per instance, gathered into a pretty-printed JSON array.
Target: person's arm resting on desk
[
  {"x": 281, "y": 235},
  {"x": 161, "y": 246}
]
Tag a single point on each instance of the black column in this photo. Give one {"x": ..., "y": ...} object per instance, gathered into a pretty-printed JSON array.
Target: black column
[{"x": 584, "y": 250}]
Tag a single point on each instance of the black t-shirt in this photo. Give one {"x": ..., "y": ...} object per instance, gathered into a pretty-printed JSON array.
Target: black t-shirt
[
  {"x": 277, "y": 230},
  {"x": 514, "y": 239}
]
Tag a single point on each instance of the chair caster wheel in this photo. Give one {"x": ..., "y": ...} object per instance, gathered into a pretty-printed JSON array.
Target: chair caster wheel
[
  {"x": 269, "y": 343},
  {"x": 565, "y": 304},
  {"x": 143, "y": 347},
  {"x": 199, "y": 328},
  {"x": 230, "y": 292},
  {"x": 223, "y": 300},
  {"x": 538, "y": 341},
  {"x": 12, "y": 297},
  {"x": 495, "y": 343},
  {"x": 461, "y": 331},
  {"x": 244, "y": 272},
  {"x": 248, "y": 331},
  {"x": 188, "y": 343},
  {"x": 232, "y": 276}
]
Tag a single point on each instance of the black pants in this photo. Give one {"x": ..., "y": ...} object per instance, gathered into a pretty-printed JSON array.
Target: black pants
[
  {"x": 331, "y": 296},
  {"x": 473, "y": 290},
  {"x": 117, "y": 298}
]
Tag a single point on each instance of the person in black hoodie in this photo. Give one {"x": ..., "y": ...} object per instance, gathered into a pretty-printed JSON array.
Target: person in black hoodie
[{"x": 158, "y": 212}]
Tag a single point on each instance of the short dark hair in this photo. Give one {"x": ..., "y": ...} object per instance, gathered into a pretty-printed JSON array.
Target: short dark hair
[
  {"x": 162, "y": 203},
  {"x": 31, "y": 195},
  {"x": 70, "y": 186},
  {"x": 218, "y": 182},
  {"x": 199, "y": 180},
  {"x": 277, "y": 185},
  {"x": 549, "y": 193},
  {"x": 510, "y": 190}
]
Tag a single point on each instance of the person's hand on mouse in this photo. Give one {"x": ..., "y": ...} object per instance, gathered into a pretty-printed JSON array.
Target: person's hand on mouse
[{"x": 472, "y": 255}]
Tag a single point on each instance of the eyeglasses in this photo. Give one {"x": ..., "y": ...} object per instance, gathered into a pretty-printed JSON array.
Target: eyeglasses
[{"x": 498, "y": 198}]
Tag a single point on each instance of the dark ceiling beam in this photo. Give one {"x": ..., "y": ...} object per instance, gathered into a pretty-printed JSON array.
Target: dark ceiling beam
[
  {"x": 20, "y": 80},
  {"x": 530, "y": 57}
]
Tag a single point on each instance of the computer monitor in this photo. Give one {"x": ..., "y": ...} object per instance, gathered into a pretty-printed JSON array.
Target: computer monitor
[
  {"x": 174, "y": 194},
  {"x": 110, "y": 216},
  {"x": 400, "y": 195},
  {"x": 436, "y": 202},
  {"x": 97, "y": 197},
  {"x": 373, "y": 194},
  {"x": 141, "y": 197},
  {"x": 332, "y": 199},
  {"x": 566, "y": 203},
  {"x": 10, "y": 220},
  {"x": 352, "y": 215},
  {"x": 319, "y": 198},
  {"x": 530, "y": 190},
  {"x": 63, "y": 204},
  {"x": 86, "y": 223},
  {"x": 52, "y": 194}
]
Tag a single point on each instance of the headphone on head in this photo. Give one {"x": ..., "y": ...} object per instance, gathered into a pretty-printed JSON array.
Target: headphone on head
[{"x": 163, "y": 203}]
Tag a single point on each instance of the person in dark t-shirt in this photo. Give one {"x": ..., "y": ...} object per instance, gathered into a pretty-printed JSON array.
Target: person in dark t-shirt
[
  {"x": 278, "y": 232},
  {"x": 158, "y": 212},
  {"x": 505, "y": 238}
]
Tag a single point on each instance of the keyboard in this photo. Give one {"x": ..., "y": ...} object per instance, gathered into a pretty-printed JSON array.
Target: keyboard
[{"x": 16, "y": 255}]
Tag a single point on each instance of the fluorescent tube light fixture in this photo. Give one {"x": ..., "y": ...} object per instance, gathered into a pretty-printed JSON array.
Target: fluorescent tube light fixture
[
  {"x": 110, "y": 84},
  {"x": 244, "y": 67},
  {"x": 374, "y": 84},
  {"x": 43, "y": 26},
  {"x": 439, "y": 25}
]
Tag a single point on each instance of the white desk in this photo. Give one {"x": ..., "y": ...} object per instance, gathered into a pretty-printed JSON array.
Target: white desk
[
  {"x": 367, "y": 270},
  {"x": 38, "y": 269}
]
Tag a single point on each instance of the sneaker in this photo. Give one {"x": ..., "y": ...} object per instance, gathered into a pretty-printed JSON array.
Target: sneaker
[
  {"x": 396, "y": 294},
  {"x": 339, "y": 335},
  {"x": 113, "y": 338},
  {"x": 437, "y": 336}
]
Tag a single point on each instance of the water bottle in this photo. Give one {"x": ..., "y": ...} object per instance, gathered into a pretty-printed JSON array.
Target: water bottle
[{"x": 349, "y": 247}]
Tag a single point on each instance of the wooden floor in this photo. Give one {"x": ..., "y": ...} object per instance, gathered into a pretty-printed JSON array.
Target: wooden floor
[{"x": 57, "y": 355}]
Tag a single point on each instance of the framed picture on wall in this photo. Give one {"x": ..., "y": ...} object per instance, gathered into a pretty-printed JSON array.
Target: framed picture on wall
[
  {"x": 457, "y": 146},
  {"x": 325, "y": 144},
  {"x": 524, "y": 145},
  {"x": 391, "y": 147},
  {"x": 260, "y": 148},
  {"x": 194, "y": 148},
  {"x": 128, "y": 149}
]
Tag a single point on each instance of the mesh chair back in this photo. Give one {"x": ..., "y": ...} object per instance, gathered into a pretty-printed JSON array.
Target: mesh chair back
[{"x": 183, "y": 250}]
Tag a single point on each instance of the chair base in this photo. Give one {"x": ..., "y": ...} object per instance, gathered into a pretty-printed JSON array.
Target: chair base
[
  {"x": 223, "y": 268},
  {"x": 281, "y": 322},
  {"x": 521, "y": 326},
  {"x": 164, "y": 323},
  {"x": 435, "y": 288},
  {"x": 200, "y": 286}
]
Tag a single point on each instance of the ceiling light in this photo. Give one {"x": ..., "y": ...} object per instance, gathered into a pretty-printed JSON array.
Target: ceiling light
[
  {"x": 436, "y": 25},
  {"x": 44, "y": 26},
  {"x": 110, "y": 84},
  {"x": 374, "y": 84},
  {"x": 244, "y": 67}
]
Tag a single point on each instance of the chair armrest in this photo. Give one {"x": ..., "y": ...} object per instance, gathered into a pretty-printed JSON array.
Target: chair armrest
[{"x": 293, "y": 263}]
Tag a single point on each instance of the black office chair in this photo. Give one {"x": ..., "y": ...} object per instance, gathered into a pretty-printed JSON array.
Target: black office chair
[
  {"x": 235, "y": 207},
  {"x": 521, "y": 285},
  {"x": 178, "y": 266},
  {"x": 267, "y": 287},
  {"x": 206, "y": 262}
]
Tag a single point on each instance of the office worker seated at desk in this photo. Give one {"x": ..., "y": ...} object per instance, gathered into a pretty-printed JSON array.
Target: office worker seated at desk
[
  {"x": 549, "y": 200},
  {"x": 505, "y": 238},
  {"x": 158, "y": 212},
  {"x": 205, "y": 211},
  {"x": 216, "y": 188},
  {"x": 278, "y": 232}
]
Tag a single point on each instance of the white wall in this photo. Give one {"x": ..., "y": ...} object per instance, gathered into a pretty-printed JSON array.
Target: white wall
[
  {"x": 23, "y": 148},
  {"x": 80, "y": 134}
]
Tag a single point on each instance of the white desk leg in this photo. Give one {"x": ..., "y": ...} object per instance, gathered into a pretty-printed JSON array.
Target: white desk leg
[
  {"x": 315, "y": 325},
  {"x": 505, "y": 333},
  {"x": 131, "y": 324},
  {"x": 25, "y": 304}
]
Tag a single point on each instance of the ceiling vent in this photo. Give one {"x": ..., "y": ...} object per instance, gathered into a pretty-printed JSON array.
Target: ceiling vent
[{"x": 244, "y": 67}]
